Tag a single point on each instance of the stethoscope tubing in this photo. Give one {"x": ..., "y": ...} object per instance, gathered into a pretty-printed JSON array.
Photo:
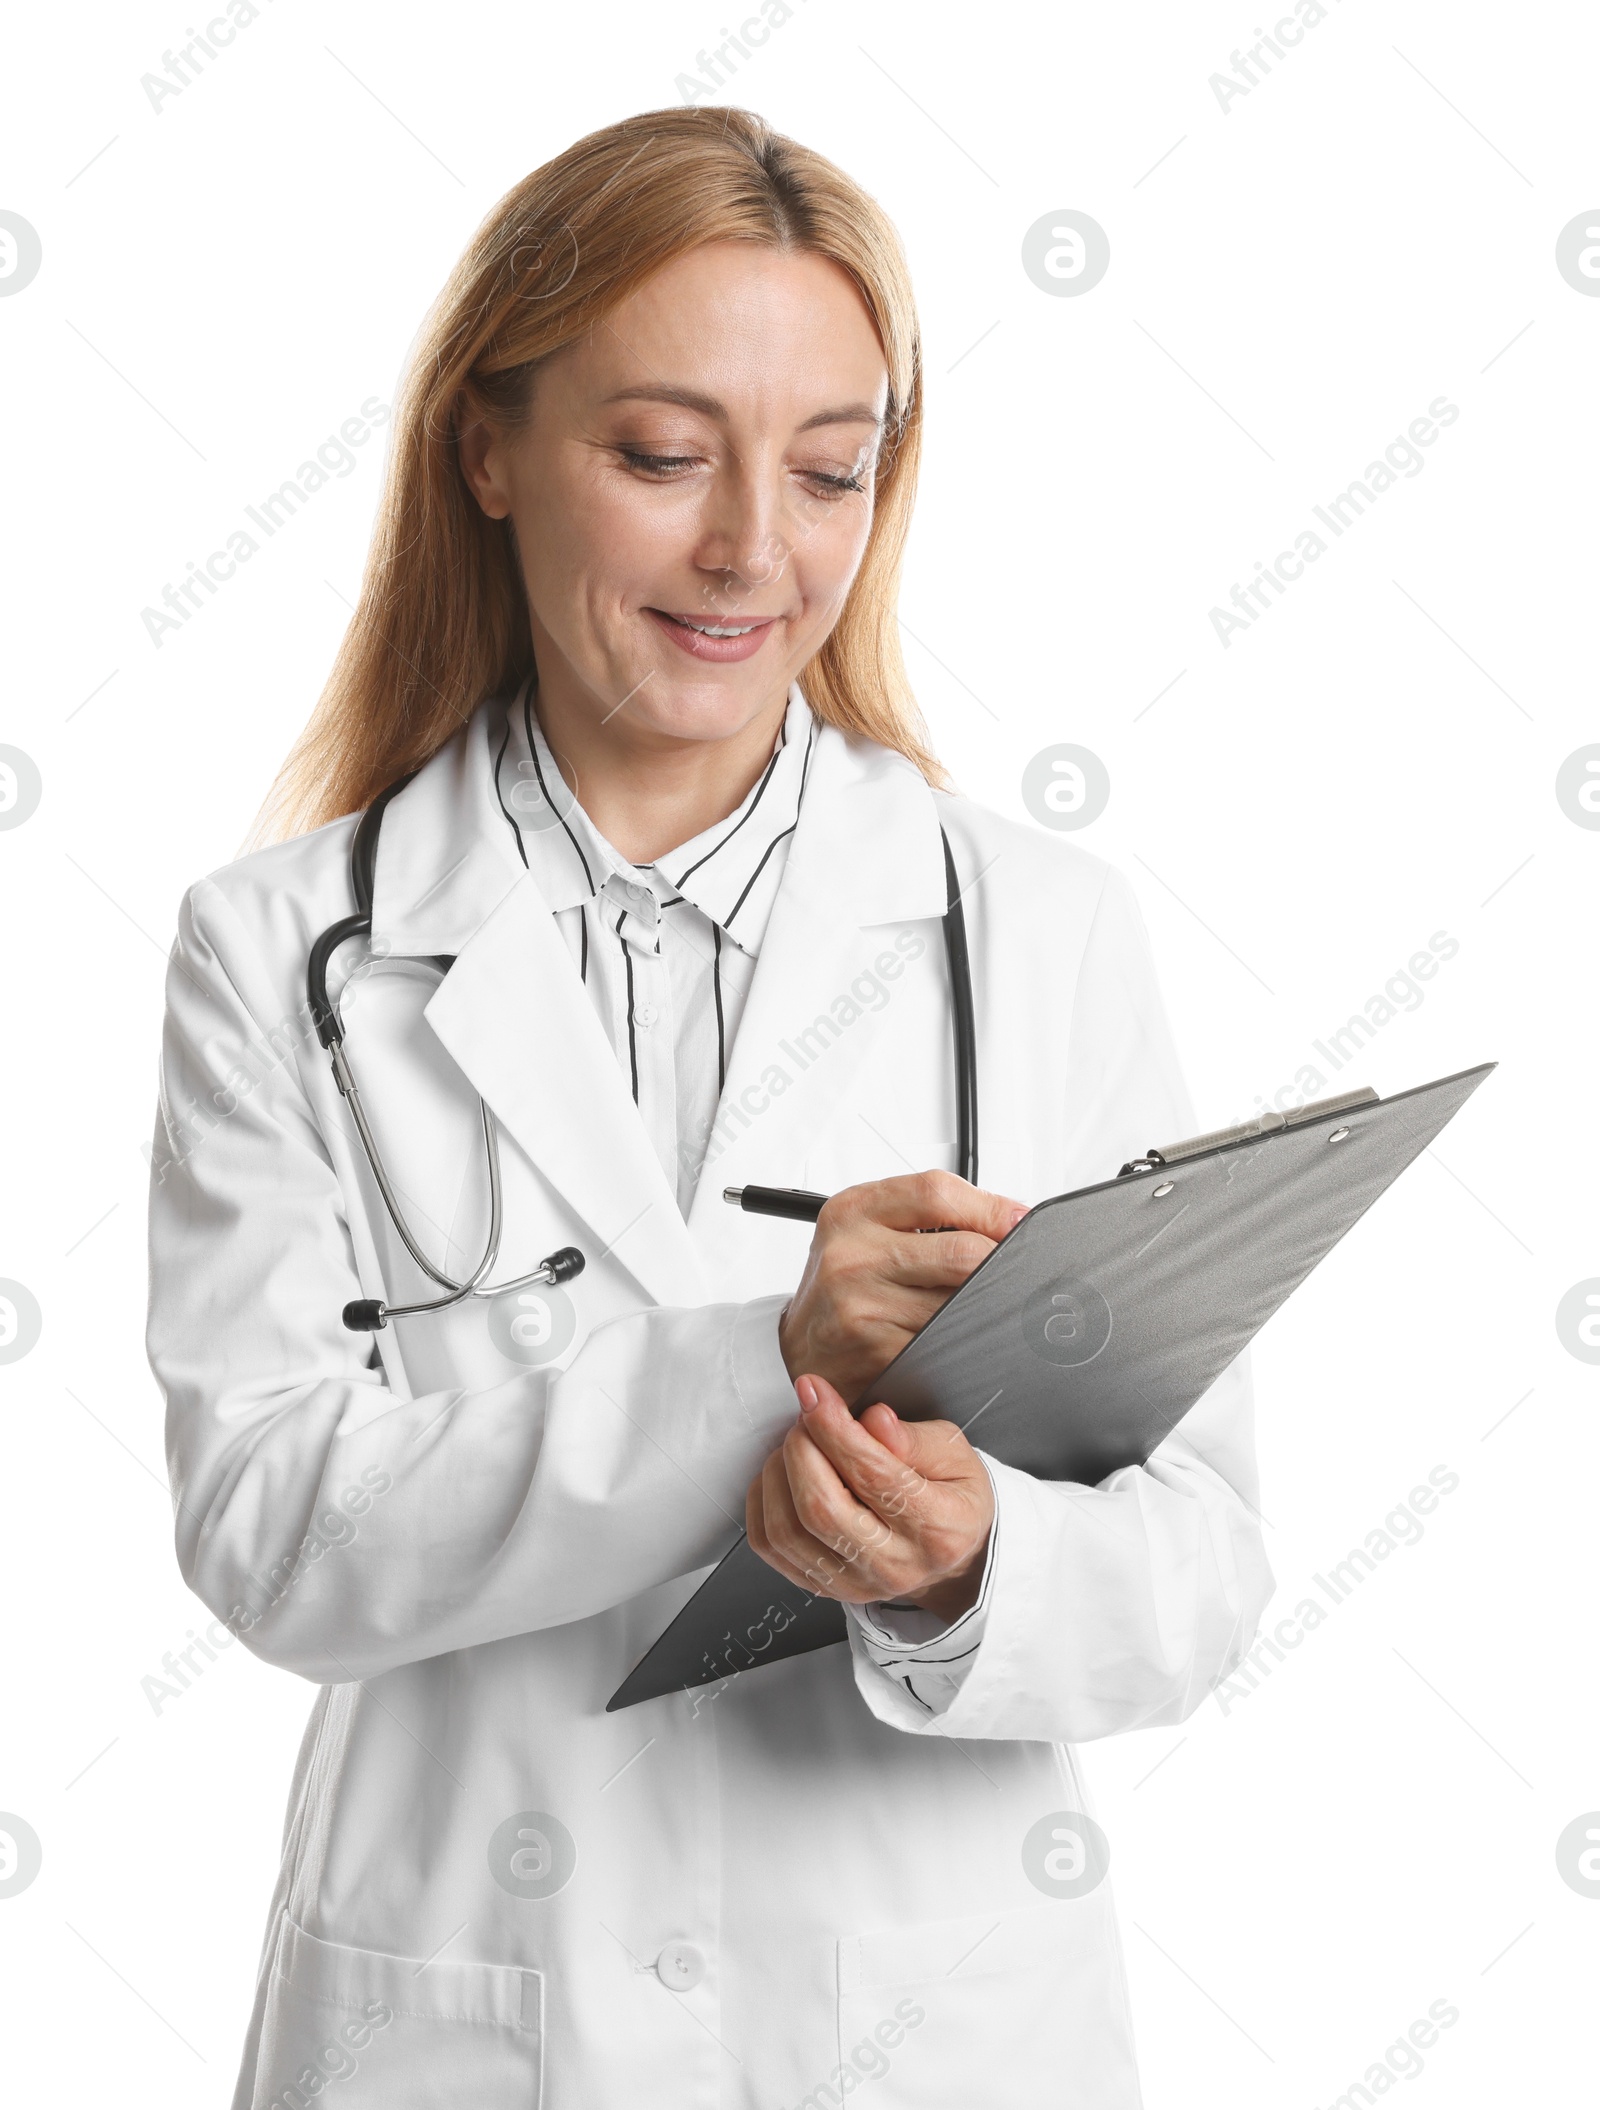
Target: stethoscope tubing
[
  {"x": 474, "y": 1285},
  {"x": 330, "y": 1031},
  {"x": 562, "y": 1266}
]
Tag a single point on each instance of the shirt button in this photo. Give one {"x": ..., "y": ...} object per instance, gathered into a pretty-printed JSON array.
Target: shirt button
[
  {"x": 680, "y": 1966},
  {"x": 646, "y": 1014}
]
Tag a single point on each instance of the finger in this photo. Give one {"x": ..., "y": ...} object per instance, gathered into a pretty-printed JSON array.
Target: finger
[
  {"x": 760, "y": 1510},
  {"x": 924, "y": 1532},
  {"x": 928, "y": 1455},
  {"x": 813, "y": 1585},
  {"x": 938, "y": 1261},
  {"x": 755, "y": 1529},
  {"x": 830, "y": 1451},
  {"x": 883, "y": 1422},
  {"x": 930, "y": 1520},
  {"x": 934, "y": 1453},
  {"x": 816, "y": 1584},
  {"x": 865, "y": 1288},
  {"x": 823, "y": 1505},
  {"x": 827, "y": 1563},
  {"x": 756, "y": 1515},
  {"x": 918, "y": 1201},
  {"x": 754, "y": 1520},
  {"x": 941, "y": 1450}
]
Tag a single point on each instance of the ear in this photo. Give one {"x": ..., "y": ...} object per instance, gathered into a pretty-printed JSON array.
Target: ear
[{"x": 481, "y": 449}]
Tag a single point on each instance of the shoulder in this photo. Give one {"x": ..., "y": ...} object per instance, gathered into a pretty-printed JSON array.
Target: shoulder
[
  {"x": 245, "y": 930},
  {"x": 1053, "y": 870},
  {"x": 294, "y": 887}
]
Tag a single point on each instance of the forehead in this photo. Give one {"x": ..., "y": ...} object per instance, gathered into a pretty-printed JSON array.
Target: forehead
[{"x": 761, "y": 331}]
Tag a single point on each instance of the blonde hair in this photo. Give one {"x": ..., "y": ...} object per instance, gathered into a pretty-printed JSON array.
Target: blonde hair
[{"x": 443, "y": 619}]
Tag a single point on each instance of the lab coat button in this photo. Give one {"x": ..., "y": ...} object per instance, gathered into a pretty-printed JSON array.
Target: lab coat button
[
  {"x": 646, "y": 1015},
  {"x": 680, "y": 1966}
]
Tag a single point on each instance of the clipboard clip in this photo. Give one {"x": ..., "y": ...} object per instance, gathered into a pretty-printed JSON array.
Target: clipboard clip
[{"x": 1264, "y": 1124}]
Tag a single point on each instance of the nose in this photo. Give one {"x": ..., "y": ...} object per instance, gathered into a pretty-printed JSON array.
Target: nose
[{"x": 743, "y": 545}]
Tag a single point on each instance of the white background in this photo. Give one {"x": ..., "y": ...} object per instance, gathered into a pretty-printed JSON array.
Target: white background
[{"x": 1292, "y": 282}]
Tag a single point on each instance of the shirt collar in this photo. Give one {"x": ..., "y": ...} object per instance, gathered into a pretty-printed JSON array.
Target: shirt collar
[{"x": 730, "y": 871}]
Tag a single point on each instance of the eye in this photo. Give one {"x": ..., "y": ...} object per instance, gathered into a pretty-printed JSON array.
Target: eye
[
  {"x": 834, "y": 486},
  {"x": 657, "y": 465},
  {"x": 835, "y": 483}
]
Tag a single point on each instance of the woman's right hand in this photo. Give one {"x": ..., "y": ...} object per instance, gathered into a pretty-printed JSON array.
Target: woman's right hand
[{"x": 885, "y": 1256}]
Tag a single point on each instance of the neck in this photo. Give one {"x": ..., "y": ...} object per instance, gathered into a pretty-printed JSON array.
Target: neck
[{"x": 647, "y": 790}]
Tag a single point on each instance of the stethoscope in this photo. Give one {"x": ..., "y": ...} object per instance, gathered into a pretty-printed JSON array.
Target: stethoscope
[{"x": 370, "y": 1314}]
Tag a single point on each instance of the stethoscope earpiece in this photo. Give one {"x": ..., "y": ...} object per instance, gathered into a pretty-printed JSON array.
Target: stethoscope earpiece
[
  {"x": 371, "y": 1314},
  {"x": 562, "y": 1266}
]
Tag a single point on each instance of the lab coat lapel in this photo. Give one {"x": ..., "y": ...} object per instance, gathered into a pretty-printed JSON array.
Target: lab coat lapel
[
  {"x": 865, "y": 852},
  {"x": 512, "y": 1014}
]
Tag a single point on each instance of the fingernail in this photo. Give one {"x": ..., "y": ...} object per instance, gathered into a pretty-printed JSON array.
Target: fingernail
[
  {"x": 810, "y": 1398},
  {"x": 1018, "y": 1212}
]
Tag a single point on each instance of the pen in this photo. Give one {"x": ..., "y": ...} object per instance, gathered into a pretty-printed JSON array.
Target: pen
[{"x": 793, "y": 1202}]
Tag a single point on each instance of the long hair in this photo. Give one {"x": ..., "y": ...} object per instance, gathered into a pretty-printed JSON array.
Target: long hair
[{"x": 443, "y": 619}]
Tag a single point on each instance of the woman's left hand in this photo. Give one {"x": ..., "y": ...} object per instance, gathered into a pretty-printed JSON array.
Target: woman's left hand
[{"x": 875, "y": 1508}]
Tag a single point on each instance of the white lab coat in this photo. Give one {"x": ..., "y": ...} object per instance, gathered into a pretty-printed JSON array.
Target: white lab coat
[{"x": 799, "y": 1881}]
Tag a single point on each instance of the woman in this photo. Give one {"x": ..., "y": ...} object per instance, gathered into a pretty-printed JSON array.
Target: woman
[{"x": 665, "y": 889}]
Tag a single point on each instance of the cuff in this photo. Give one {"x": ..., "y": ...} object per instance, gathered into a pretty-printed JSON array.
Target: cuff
[
  {"x": 924, "y": 1656},
  {"x": 760, "y": 1375}
]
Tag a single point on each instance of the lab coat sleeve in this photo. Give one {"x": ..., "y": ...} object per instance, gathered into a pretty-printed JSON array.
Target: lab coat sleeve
[
  {"x": 927, "y": 1656},
  {"x": 339, "y": 1529},
  {"x": 1119, "y": 1606}
]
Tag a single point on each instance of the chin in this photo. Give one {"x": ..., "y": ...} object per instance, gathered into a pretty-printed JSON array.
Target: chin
[{"x": 698, "y": 709}]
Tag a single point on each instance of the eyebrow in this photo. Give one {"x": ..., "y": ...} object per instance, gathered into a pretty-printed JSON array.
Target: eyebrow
[{"x": 691, "y": 399}]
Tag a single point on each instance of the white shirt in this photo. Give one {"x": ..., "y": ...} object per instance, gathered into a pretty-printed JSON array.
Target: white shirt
[{"x": 666, "y": 952}]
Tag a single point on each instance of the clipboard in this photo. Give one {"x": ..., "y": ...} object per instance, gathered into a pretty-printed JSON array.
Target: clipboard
[{"x": 1081, "y": 1341}]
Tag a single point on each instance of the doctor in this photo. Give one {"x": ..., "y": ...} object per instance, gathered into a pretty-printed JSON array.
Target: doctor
[{"x": 664, "y": 895}]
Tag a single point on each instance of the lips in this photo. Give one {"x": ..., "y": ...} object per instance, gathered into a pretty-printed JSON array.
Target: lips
[
  {"x": 716, "y": 629},
  {"x": 705, "y": 640}
]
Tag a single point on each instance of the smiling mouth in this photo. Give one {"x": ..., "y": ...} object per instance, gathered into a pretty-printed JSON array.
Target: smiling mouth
[{"x": 714, "y": 629}]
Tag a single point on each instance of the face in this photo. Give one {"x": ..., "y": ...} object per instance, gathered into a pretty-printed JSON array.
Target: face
[{"x": 692, "y": 492}]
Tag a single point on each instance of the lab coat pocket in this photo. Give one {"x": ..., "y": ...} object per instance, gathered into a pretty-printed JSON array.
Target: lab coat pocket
[
  {"x": 390, "y": 2030},
  {"x": 1009, "y": 2009}
]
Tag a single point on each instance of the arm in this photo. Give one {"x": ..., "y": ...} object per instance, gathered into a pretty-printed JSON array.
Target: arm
[
  {"x": 1109, "y": 1608},
  {"x": 1114, "y": 1607},
  {"x": 339, "y": 1529}
]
